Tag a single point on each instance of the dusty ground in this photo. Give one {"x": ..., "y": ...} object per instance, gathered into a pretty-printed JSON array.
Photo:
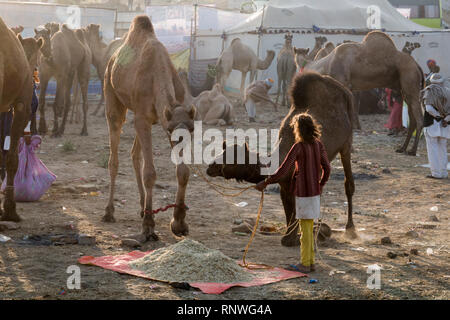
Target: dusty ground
[{"x": 395, "y": 201}]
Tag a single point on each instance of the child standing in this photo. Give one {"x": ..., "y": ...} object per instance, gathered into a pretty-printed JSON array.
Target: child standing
[{"x": 312, "y": 170}]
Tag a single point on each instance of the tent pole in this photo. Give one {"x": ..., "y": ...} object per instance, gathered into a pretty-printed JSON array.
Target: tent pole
[
  {"x": 195, "y": 31},
  {"x": 259, "y": 38}
]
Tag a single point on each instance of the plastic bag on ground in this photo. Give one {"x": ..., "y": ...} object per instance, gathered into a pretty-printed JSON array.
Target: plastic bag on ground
[{"x": 33, "y": 178}]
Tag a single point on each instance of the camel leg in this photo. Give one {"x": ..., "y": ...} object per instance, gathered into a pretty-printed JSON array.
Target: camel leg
[
  {"x": 356, "y": 102},
  {"x": 20, "y": 120},
  {"x": 417, "y": 115},
  {"x": 411, "y": 127},
  {"x": 42, "y": 124},
  {"x": 178, "y": 225},
  {"x": 83, "y": 79},
  {"x": 102, "y": 98},
  {"x": 346, "y": 160},
  {"x": 143, "y": 129},
  {"x": 284, "y": 87},
  {"x": 115, "y": 116},
  {"x": 67, "y": 103},
  {"x": 137, "y": 162},
  {"x": 58, "y": 103},
  {"x": 279, "y": 89},
  {"x": 243, "y": 77},
  {"x": 291, "y": 238}
]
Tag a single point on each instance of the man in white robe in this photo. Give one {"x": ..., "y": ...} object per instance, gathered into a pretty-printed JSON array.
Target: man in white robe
[{"x": 437, "y": 125}]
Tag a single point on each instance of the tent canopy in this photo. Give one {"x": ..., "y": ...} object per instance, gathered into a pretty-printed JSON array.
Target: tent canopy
[{"x": 326, "y": 14}]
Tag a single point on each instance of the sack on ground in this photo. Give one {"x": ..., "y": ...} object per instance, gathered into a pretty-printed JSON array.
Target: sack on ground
[{"x": 33, "y": 178}]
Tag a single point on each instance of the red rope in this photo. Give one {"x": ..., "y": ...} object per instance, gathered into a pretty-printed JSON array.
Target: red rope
[{"x": 146, "y": 211}]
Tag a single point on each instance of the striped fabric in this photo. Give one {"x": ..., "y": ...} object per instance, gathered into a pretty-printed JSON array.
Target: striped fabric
[{"x": 312, "y": 169}]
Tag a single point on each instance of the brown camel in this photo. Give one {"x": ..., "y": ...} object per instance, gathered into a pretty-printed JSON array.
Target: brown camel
[
  {"x": 141, "y": 77},
  {"x": 286, "y": 69},
  {"x": 330, "y": 103},
  {"x": 318, "y": 45},
  {"x": 375, "y": 63},
  {"x": 68, "y": 55},
  {"x": 239, "y": 56},
  {"x": 17, "y": 30},
  {"x": 101, "y": 53},
  {"x": 326, "y": 50},
  {"x": 213, "y": 108},
  {"x": 15, "y": 91}
]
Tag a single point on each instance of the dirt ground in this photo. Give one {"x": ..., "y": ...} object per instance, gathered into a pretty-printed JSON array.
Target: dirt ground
[{"x": 392, "y": 197}]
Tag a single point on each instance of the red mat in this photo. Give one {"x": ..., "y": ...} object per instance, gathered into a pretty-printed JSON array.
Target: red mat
[{"x": 120, "y": 263}]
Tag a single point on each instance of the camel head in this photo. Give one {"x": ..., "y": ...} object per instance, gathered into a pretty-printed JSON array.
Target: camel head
[
  {"x": 301, "y": 57},
  {"x": 53, "y": 27},
  {"x": 288, "y": 40},
  {"x": 44, "y": 34},
  {"x": 240, "y": 170},
  {"x": 17, "y": 30},
  {"x": 320, "y": 41},
  {"x": 31, "y": 47},
  {"x": 180, "y": 117}
]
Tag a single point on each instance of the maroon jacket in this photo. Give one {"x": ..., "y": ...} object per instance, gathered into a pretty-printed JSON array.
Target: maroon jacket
[{"x": 312, "y": 169}]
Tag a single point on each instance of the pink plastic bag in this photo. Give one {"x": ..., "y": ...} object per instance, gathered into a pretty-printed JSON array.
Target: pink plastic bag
[{"x": 33, "y": 178}]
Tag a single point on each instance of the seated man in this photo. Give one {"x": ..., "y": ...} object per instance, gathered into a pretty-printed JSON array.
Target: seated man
[{"x": 256, "y": 92}]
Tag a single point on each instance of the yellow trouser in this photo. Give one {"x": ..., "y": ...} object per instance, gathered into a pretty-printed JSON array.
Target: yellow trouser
[{"x": 307, "y": 242}]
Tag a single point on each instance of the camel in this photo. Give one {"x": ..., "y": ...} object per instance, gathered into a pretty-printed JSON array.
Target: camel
[
  {"x": 375, "y": 63},
  {"x": 239, "y": 56},
  {"x": 409, "y": 47},
  {"x": 15, "y": 91},
  {"x": 101, "y": 53},
  {"x": 213, "y": 108},
  {"x": 331, "y": 104},
  {"x": 17, "y": 30},
  {"x": 323, "y": 52},
  {"x": 319, "y": 42},
  {"x": 141, "y": 77},
  {"x": 68, "y": 55},
  {"x": 286, "y": 69}
]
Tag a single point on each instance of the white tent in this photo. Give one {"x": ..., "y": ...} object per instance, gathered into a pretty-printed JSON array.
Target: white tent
[{"x": 336, "y": 20}]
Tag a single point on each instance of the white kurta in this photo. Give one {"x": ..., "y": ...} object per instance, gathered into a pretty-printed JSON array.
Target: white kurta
[
  {"x": 436, "y": 138},
  {"x": 307, "y": 207}
]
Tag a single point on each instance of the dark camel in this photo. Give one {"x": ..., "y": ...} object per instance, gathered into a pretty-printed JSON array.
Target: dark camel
[{"x": 331, "y": 104}]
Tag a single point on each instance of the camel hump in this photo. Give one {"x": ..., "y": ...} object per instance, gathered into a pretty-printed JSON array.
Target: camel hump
[
  {"x": 142, "y": 23},
  {"x": 303, "y": 86},
  {"x": 235, "y": 40},
  {"x": 378, "y": 36}
]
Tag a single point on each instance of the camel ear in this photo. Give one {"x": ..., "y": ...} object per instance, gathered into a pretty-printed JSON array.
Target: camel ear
[
  {"x": 40, "y": 43},
  {"x": 168, "y": 114}
]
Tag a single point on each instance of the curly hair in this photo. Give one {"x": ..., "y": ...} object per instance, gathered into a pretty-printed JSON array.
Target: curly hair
[{"x": 306, "y": 129}]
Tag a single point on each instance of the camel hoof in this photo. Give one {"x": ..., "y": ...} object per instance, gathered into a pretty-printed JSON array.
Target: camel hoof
[
  {"x": 411, "y": 153},
  {"x": 400, "y": 150},
  {"x": 84, "y": 133},
  {"x": 108, "y": 218},
  {"x": 179, "y": 228},
  {"x": 290, "y": 241},
  {"x": 350, "y": 233},
  {"x": 14, "y": 217}
]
